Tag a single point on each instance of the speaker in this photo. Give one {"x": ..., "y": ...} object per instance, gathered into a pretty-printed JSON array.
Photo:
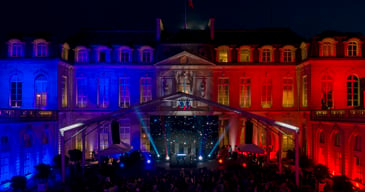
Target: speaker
[
  {"x": 248, "y": 132},
  {"x": 115, "y": 132}
]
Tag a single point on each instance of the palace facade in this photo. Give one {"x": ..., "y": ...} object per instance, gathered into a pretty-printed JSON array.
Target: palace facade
[{"x": 317, "y": 85}]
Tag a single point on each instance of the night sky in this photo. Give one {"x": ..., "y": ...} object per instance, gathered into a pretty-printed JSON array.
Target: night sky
[{"x": 306, "y": 17}]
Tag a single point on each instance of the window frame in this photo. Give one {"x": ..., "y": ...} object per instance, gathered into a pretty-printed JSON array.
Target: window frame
[
  {"x": 223, "y": 90},
  {"x": 245, "y": 92},
  {"x": 124, "y": 92},
  {"x": 18, "y": 46},
  {"x": 40, "y": 91}
]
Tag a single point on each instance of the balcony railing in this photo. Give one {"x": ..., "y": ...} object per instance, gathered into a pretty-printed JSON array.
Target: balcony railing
[
  {"x": 28, "y": 115},
  {"x": 341, "y": 115}
]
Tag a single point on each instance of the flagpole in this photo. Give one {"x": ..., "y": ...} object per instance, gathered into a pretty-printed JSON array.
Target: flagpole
[{"x": 185, "y": 2}]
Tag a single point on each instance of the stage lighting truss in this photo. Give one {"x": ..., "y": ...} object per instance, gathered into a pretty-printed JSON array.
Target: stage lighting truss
[{"x": 184, "y": 104}]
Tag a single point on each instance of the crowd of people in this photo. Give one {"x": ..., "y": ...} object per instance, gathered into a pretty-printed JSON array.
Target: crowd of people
[{"x": 135, "y": 178}]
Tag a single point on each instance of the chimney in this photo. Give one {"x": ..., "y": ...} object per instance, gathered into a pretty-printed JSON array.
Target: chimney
[
  {"x": 211, "y": 27},
  {"x": 159, "y": 28}
]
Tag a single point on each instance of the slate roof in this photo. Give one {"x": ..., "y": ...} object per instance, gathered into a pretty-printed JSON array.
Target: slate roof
[{"x": 112, "y": 37}]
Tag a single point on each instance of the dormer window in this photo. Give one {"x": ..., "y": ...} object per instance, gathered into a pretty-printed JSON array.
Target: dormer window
[
  {"x": 146, "y": 54},
  {"x": 223, "y": 54},
  {"x": 266, "y": 54},
  {"x": 102, "y": 54},
  {"x": 288, "y": 54},
  {"x": 352, "y": 47},
  {"x": 125, "y": 54},
  {"x": 244, "y": 54},
  {"x": 40, "y": 48},
  {"x": 327, "y": 47},
  {"x": 81, "y": 55},
  {"x": 16, "y": 48}
]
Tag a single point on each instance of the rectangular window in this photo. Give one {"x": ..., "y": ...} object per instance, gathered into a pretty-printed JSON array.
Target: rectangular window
[
  {"x": 245, "y": 93},
  {"x": 124, "y": 93},
  {"x": 103, "y": 93},
  {"x": 104, "y": 138},
  {"x": 41, "y": 92},
  {"x": 288, "y": 92},
  {"x": 327, "y": 49},
  {"x": 125, "y": 130},
  {"x": 81, "y": 92},
  {"x": 145, "y": 90},
  {"x": 16, "y": 94},
  {"x": 245, "y": 55},
  {"x": 145, "y": 131},
  {"x": 304, "y": 91},
  {"x": 64, "y": 84},
  {"x": 223, "y": 91},
  {"x": 266, "y": 95},
  {"x": 124, "y": 57}
]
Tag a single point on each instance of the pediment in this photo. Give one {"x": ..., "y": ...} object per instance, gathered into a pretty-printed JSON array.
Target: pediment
[{"x": 184, "y": 58}]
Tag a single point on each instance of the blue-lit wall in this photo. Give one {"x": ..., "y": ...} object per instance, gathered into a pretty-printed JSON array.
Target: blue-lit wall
[
  {"x": 28, "y": 70},
  {"x": 93, "y": 72},
  {"x": 18, "y": 157}
]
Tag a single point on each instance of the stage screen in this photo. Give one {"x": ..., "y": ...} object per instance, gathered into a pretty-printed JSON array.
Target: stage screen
[{"x": 189, "y": 135}]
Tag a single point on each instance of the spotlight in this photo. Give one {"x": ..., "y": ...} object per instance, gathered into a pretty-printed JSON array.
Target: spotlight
[
  {"x": 148, "y": 161},
  {"x": 244, "y": 165},
  {"x": 121, "y": 165},
  {"x": 209, "y": 155},
  {"x": 167, "y": 157},
  {"x": 158, "y": 156},
  {"x": 220, "y": 161},
  {"x": 200, "y": 158}
]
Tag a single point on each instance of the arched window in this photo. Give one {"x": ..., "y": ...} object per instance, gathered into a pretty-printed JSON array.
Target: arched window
[
  {"x": 337, "y": 140},
  {"x": 223, "y": 54},
  {"x": 327, "y": 92},
  {"x": 357, "y": 143},
  {"x": 125, "y": 54},
  {"x": 40, "y": 48},
  {"x": 16, "y": 91},
  {"x": 103, "y": 54},
  {"x": 353, "y": 91},
  {"x": 41, "y": 91},
  {"x": 322, "y": 138}
]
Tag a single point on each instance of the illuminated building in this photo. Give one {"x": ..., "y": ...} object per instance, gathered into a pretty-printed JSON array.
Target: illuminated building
[{"x": 317, "y": 85}]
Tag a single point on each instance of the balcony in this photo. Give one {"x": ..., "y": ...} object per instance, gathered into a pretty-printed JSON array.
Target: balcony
[
  {"x": 340, "y": 115},
  {"x": 17, "y": 115}
]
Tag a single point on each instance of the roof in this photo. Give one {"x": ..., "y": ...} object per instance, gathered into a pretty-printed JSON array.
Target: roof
[
  {"x": 112, "y": 37},
  {"x": 258, "y": 37}
]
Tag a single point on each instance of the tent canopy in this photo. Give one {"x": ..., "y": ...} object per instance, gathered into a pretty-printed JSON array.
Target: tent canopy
[
  {"x": 251, "y": 148},
  {"x": 116, "y": 149}
]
